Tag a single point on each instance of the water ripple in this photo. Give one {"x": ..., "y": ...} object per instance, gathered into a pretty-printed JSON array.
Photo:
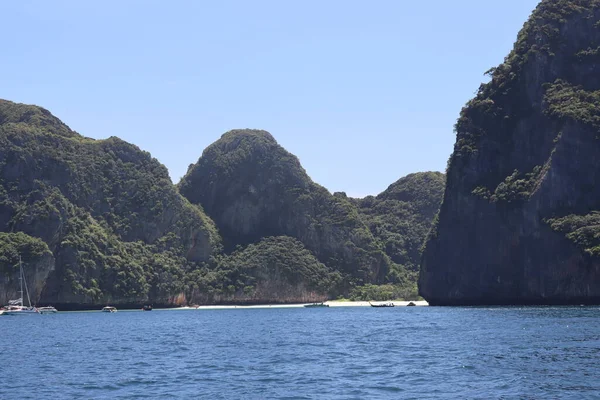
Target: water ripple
[{"x": 348, "y": 353}]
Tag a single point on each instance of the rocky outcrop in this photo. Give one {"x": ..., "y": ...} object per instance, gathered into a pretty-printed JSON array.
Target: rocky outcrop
[
  {"x": 253, "y": 188},
  {"x": 518, "y": 223}
]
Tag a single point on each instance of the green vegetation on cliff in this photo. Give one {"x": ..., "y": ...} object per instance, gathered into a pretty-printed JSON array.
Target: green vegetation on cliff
[
  {"x": 400, "y": 219},
  {"x": 34, "y": 117},
  {"x": 384, "y": 292},
  {"x": 276, "y": 269},
  {"x": 105, "y": 209},
  {"x": 566, "y": 101},
  {"x": 15, "y": 245},
  {"x": 583, "y": 230},
  {"x": 37, "y": 260},
  {"x": 401, "y": 216}
]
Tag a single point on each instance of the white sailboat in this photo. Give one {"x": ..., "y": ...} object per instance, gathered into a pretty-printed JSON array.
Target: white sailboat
[{"x": 16, "y": 307}]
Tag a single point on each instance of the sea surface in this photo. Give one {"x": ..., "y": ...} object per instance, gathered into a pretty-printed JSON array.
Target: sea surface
[{"x": 302, "y": 353}]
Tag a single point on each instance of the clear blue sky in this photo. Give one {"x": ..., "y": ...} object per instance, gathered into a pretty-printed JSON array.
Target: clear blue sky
[{"x": 363, "y": 92}]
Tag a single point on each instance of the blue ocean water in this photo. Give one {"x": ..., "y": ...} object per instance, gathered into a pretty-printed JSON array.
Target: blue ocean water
[{"x": 300, "y": 353}]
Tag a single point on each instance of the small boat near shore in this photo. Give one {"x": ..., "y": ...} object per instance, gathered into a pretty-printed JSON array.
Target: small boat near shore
[
  {"x": 109, "y": 309},
  {"x": 390, "y": 304},
  {"x": 147, "y": 307},
  {"x": 314, "y": 305},
  {"x": 47, "y": 310}
]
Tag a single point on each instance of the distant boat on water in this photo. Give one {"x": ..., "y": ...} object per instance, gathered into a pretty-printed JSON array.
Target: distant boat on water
[
  {"x": 316, "y": 305},
  {"x": 109, "y": 309},
  {"x": 47, "y": 310},
  {"x": 147, "y": 307},
  {"x": 390, "y": 304},
  {"x": 16, "y": 307}
]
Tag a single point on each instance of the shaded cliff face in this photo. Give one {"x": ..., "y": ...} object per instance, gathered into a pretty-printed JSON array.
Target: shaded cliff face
[
  {"x": 518, "y": 223},
  {"x": 253, "y": 188},
  {"x": 117, "y": 227}
]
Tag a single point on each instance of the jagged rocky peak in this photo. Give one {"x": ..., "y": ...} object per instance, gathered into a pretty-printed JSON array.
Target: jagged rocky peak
[{"x": 517, "y": 224}]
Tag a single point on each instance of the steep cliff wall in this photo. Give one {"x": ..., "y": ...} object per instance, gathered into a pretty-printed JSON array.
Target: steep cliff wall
[{"x": 518, "y": 223}]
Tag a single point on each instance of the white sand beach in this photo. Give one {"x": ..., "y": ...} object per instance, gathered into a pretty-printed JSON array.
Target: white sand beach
[{"x": 333, "y": 303}]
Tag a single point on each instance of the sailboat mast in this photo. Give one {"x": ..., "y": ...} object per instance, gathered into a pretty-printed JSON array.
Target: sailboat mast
[
  {"x": 21, "y": 279},
  {"x": 27, "y": 291}
]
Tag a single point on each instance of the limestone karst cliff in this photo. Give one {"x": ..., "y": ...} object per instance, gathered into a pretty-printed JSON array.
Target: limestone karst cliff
[{"x": 519, "y": 221}]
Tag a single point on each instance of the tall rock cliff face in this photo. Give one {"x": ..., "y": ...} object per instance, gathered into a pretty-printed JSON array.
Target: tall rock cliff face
[
  {"x": 520, "y": 219},
  {"x": 117, "y": 229},
  {"x": 253, "y": 188}
]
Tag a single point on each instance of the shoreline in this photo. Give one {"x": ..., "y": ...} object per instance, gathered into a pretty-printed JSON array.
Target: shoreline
[{"x": 330, "y": 304}]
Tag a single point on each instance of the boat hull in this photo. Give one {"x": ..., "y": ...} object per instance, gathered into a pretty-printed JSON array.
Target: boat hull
[
  {"x": 316, "y": 305},
  {"x": 20, "y": 312},
  {"x": 47, "y": 310}
]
